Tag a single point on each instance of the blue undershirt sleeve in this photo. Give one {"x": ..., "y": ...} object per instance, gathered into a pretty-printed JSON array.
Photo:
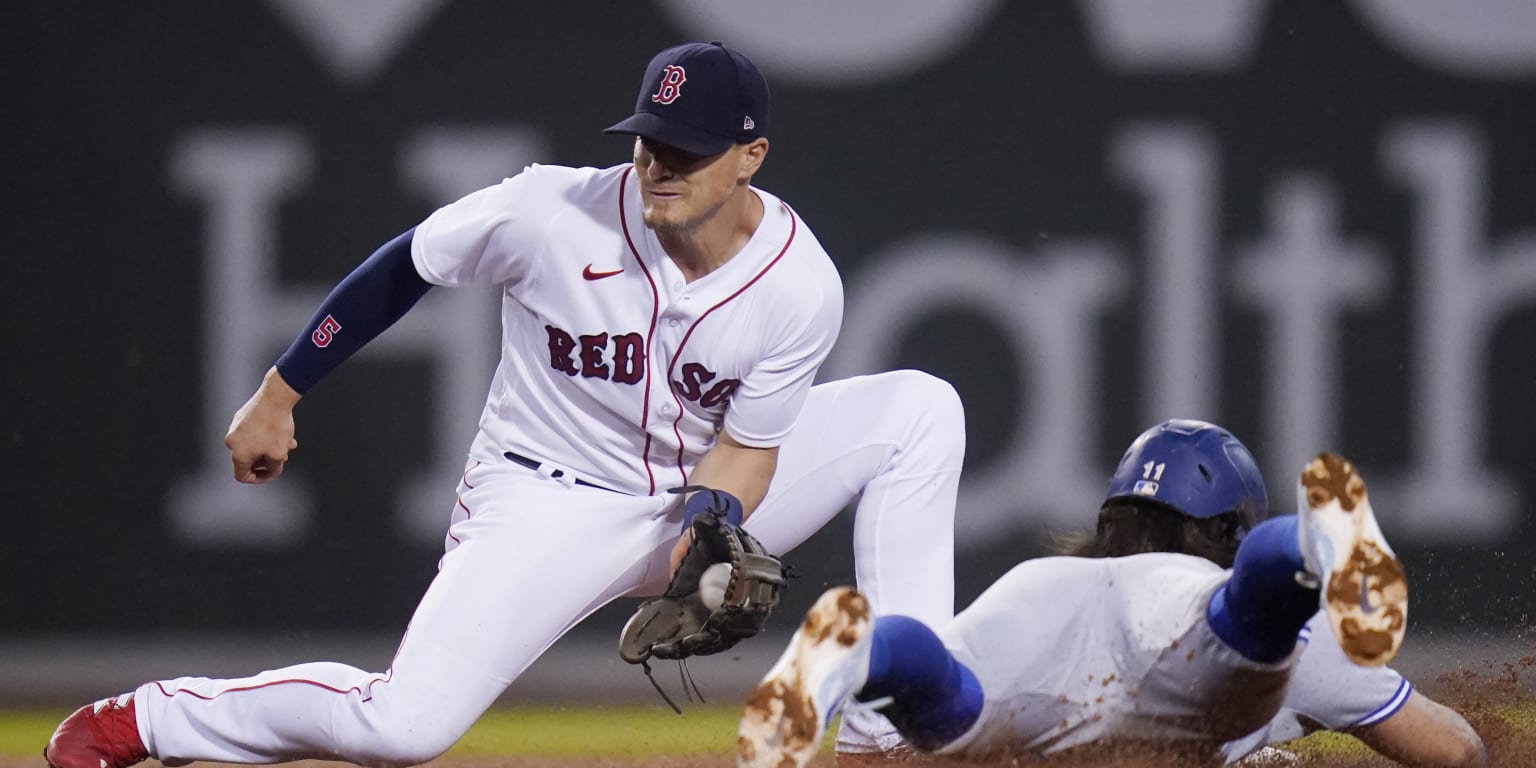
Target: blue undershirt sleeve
[
  {"x": 379, "y": 292},
  {"x": 1261, "y": 609}
]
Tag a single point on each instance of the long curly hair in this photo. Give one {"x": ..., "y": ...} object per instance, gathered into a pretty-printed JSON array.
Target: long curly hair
[{"x": 1137, "y": 526}]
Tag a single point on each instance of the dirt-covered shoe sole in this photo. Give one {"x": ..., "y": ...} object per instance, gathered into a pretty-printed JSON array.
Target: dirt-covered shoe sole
[
  {"x": 826, "y": 662},
  {"x": 1364, "y": 590}
]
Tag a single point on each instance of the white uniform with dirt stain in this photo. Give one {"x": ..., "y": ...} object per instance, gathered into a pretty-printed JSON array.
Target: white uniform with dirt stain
[{"x": 1071, "y": 651}]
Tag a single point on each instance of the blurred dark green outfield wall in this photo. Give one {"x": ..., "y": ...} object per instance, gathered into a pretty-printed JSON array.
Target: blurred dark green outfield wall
[{"x": 1314, "y": 222}]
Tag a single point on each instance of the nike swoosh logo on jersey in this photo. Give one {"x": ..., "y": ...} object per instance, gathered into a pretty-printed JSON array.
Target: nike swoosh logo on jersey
[{"x": 590, "y": 275}]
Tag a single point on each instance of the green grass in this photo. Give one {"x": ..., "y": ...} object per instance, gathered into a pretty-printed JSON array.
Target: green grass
[
  {"x": 530, "y": 731},
  {"x": 23, "y": 733},
  {"x": 1328, "y": 744},
  {"x": 617, "y": 731}
]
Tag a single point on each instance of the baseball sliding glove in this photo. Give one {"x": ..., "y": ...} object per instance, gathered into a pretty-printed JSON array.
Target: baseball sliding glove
[{"x": 689, "y": 621}]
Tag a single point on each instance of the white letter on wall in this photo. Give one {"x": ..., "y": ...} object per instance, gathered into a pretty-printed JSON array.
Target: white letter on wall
[
  {"x": 240, "y": 177},
  {"x": 1048, "y": 306},
  {"x": 1175, "y": 168},
  {"x": 1462, "y": 286},
  {"x": 1303, "y": 276}
]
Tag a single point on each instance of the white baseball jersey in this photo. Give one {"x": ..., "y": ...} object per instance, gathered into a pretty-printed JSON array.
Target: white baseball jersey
[
  {"x": 614, "y": 366},
  {"x": 1071, "y": 651}
]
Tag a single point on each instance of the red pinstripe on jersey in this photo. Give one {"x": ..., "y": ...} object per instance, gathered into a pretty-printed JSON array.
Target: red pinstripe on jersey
[
  {"x": 645, "y": 408},
  {"x": 793, "y": 227}
]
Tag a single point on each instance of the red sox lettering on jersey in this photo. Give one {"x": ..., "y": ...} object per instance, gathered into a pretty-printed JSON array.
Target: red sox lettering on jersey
[
  {"x": 589, "y": 356},
  {"x": 614, "y": 364},
  {"x": 691, "y": 386}
]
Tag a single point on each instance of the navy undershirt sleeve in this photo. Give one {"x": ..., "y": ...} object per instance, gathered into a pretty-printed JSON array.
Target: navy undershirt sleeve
[{"x": 379, "y": 292}]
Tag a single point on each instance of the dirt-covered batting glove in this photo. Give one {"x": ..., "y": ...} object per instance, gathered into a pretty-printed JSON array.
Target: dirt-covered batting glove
[{"x": 693, "y": 617}]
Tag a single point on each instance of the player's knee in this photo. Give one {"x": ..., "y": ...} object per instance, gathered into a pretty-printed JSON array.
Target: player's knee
[
  {"x": 935, "y": 407},
  {"x": 410, "y": 742},
  {"x": 407, "y": 749}
]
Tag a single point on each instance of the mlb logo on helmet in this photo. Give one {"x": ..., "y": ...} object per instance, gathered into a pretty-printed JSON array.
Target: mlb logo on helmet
[
  {"x": 726, "y": 100},
  {"x": 1145, "y": 488}
]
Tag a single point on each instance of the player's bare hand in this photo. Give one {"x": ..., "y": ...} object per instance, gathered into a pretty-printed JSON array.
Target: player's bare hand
[{"x": 261, "y": 433}]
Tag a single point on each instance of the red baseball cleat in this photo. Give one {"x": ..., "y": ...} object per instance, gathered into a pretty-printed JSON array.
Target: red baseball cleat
[{"x": 100, "y": 735}]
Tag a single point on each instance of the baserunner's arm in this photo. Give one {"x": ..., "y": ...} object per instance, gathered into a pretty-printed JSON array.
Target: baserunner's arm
[{"x": 1425, "y": 732}]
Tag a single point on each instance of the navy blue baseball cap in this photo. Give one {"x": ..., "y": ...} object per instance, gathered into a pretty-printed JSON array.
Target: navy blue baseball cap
[{"x": 700, "y": 98}]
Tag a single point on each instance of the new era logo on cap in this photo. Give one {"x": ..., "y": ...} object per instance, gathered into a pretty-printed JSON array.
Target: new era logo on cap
[{"x": 700, "y": 98}]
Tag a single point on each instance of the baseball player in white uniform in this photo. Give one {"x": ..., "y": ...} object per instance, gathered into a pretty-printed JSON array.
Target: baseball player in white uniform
[
  {"x": 1189, "y": 621},
  {"x": 663, "y": 321}
]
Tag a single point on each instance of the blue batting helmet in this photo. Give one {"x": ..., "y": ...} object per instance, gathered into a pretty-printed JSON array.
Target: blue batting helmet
[{"x": 1193, "y": 467}]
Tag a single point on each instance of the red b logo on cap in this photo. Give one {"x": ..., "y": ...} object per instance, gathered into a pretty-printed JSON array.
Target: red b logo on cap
[{"x": 672, "y": 78}]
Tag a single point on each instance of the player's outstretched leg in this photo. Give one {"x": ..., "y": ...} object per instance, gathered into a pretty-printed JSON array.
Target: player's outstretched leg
[
  {"x": 1363, "y": 587},
  {"x": 826, "y": 662},
  {"x": 100, "y": 735}
]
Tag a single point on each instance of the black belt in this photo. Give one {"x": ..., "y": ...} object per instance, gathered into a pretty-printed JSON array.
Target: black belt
[{"x": 534, "y": 465}]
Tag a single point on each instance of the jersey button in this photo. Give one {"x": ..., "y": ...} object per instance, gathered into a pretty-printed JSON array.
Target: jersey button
[
  {"x": 666, "y": 410},
  {"x": 674, "y": 322}
]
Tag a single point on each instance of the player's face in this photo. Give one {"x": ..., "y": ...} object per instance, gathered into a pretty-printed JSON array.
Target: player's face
[{"x": 680, "y": 191}]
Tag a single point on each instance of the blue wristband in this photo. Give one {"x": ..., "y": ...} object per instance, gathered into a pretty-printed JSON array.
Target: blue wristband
[{"x": 714, "y": 502}]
